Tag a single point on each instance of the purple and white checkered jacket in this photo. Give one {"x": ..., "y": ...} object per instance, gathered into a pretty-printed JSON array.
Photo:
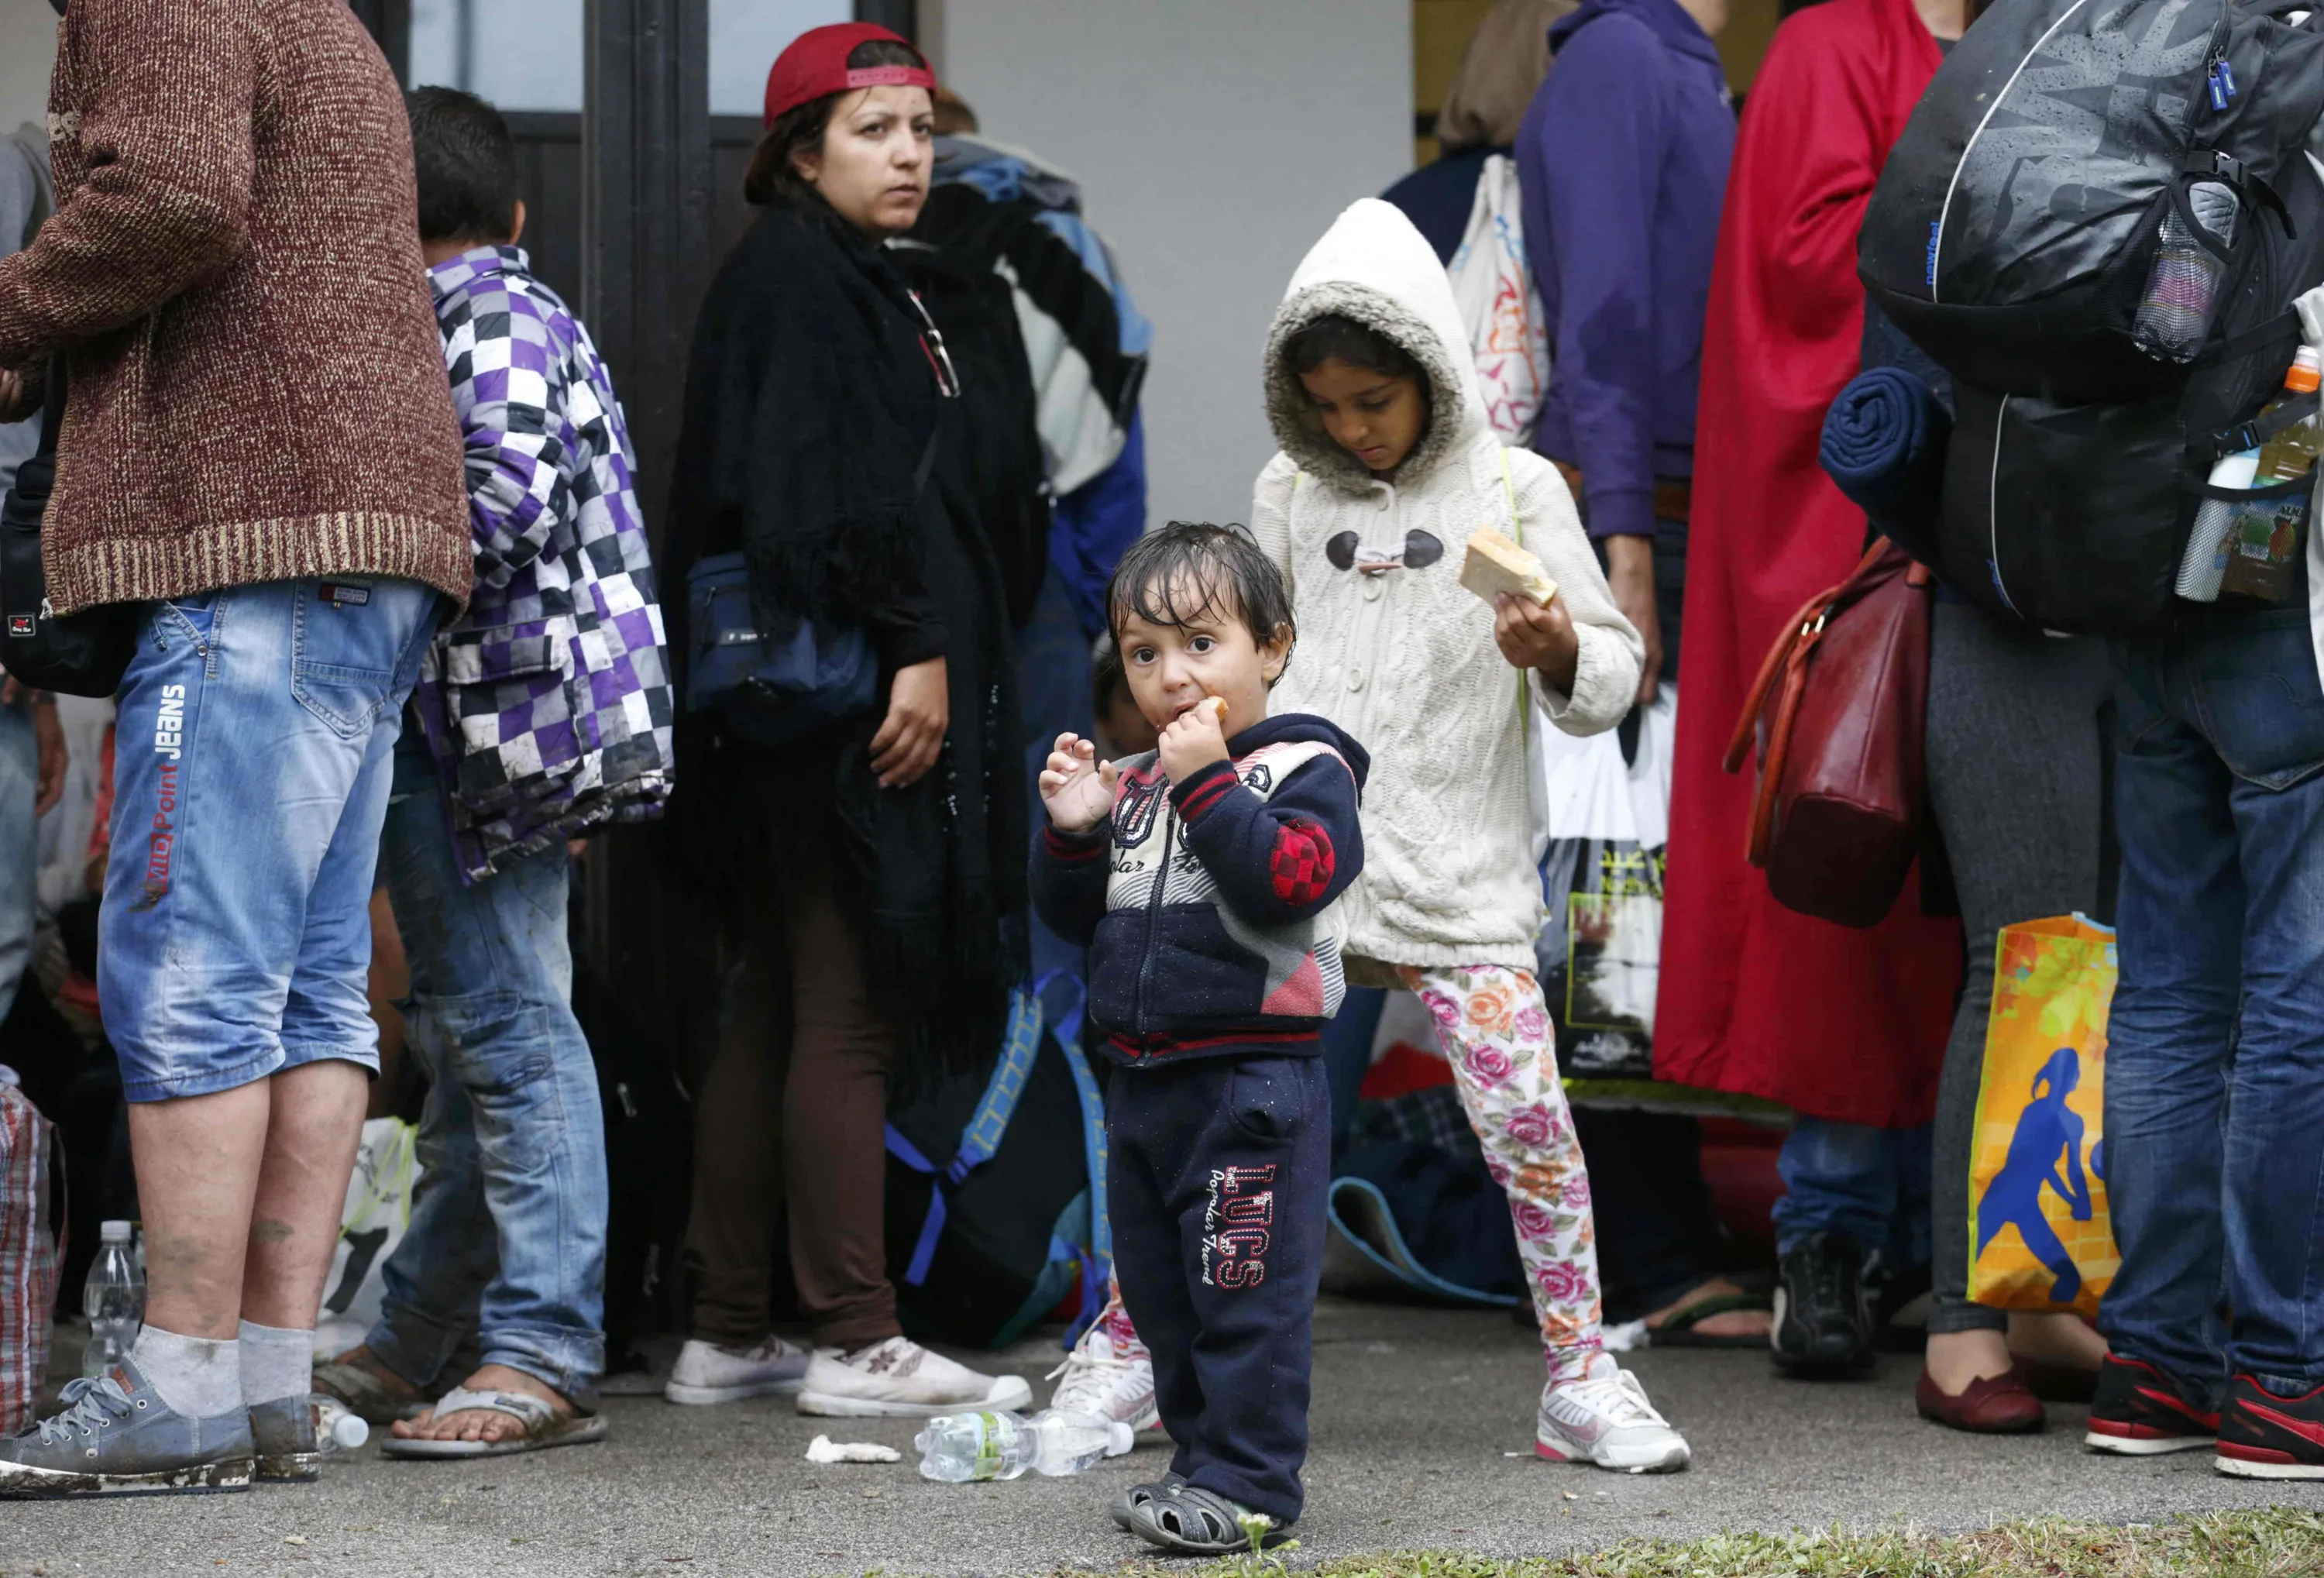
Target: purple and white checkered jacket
[{"x": 548, "y": 706}]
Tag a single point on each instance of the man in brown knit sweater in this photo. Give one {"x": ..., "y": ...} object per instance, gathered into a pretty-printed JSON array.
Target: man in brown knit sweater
[{"x": 259, "y": 450}]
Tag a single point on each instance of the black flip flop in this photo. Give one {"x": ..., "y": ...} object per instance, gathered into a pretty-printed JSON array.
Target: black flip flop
[{"x": 1679, "y": 1330}]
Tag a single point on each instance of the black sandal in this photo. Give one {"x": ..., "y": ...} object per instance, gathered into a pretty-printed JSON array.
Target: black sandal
[
  {"x": 1197, "y": 1522},
  {"x": 1125, "y": 1506},
  {"x": 1679, "y": 1330}
]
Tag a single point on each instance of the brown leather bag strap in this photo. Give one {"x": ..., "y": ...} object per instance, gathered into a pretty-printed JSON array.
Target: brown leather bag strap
[{"x": 1771, "y": 667}]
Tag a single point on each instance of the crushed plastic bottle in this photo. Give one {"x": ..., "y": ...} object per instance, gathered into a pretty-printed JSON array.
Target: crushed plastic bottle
[
  {"x": 336, "y": 1430},
  {"x": 113, "y": 1300},
  {"x": 957, "y": 1448}
]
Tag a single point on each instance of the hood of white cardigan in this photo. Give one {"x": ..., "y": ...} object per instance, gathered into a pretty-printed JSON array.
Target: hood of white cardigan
[{"x": 1374, "y": 267}]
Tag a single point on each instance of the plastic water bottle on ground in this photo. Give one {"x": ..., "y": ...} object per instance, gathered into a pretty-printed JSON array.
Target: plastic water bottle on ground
[
  {"x": 113, "y": 1299},
  {"x": 957, "y": 1448},
  {"x": 337, "y": 1431}
]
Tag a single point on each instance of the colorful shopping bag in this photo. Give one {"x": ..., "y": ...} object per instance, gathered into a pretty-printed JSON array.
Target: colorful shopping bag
[
  {"x": 28, "y": 1257},
  {"x": 2039, "y": 1234}
]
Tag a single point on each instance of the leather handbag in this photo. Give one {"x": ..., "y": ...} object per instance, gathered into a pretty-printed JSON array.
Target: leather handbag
[
  {"x": 79, "y": 654},
  {"x": 1839, "y": 711}
]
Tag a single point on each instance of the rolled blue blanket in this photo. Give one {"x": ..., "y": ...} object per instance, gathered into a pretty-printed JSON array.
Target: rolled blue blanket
[{"x": 1884, "y": 445}]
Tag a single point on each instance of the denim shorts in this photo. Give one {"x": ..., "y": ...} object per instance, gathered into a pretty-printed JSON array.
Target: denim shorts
[{"x": 253, "y": 752}]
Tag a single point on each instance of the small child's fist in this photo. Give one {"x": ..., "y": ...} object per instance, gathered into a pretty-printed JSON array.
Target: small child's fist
[
  {"x": 1076, "y": 788},
  {"x": 1538, "y": 636},
  {"x": 1194, "y": 739}
]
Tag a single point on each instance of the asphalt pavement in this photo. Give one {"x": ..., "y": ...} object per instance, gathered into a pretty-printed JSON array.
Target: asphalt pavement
[{"x": 1422, "y": 1435}]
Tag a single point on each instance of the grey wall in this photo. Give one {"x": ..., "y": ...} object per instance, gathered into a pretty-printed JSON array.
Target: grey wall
[
  {"x": 1214, "y": 139},
  {"x": 28, "y": 47}
]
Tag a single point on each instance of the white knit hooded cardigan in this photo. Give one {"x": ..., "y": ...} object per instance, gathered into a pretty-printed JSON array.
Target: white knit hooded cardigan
[{"x": 1405, "y": 660}]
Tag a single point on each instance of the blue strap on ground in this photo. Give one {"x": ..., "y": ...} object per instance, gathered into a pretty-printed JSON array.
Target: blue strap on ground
[
  {"x": 1097, "y": 1262},
  {"x": 982, "y": 1137}
]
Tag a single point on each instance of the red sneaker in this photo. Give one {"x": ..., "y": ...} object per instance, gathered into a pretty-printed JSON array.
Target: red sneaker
[
  {"x": 2263, "y": 1436},
  {"x": 2140, "y": 1412}
]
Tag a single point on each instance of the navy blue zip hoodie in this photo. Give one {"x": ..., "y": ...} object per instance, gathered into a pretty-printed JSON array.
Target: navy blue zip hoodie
[{"x": 1206, "y": 906}]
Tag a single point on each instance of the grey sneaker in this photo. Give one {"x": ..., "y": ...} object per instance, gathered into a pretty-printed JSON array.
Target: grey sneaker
[
  {"x": 283, "y": 1431},
  {"x": 116, "y": 1434}
]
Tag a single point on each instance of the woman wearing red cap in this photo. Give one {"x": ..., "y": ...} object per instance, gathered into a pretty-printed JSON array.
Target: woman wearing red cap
[{"x": 878, "y": 865}]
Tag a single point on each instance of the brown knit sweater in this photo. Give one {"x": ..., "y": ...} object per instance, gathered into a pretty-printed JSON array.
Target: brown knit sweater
[{"x": 256, "y": 386}]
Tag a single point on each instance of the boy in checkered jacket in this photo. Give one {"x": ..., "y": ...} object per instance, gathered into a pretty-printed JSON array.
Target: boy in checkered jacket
[{"x": 543, "y": 712}]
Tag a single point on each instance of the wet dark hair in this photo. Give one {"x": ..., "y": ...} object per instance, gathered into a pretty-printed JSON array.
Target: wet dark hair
[
  {"x": 1335, "y": 335},
  {"x": 465, "y": 160},
  {"x": 773, "y": 179},
  {"x": 1107, "y": 678},
  {"x": 1192, "y": 570}
]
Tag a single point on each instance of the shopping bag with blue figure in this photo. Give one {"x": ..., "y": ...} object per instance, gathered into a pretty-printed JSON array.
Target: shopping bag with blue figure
[{"x": 2040, "y": 1235}]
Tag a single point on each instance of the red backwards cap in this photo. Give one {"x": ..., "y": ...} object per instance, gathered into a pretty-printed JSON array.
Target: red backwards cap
[{"x": 815, "y": 64}]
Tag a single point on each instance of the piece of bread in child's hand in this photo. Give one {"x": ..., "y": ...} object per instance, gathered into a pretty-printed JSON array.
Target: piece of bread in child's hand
[
  {"x": 1495, "y": 565},
  {"x": 1218, "y": 705}
]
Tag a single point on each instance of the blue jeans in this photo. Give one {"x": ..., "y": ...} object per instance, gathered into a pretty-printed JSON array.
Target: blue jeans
[
  {"x": 511, "y": 1202},
  {"x": 2214, "y": 1064},
  {"x": 1869, "y": 1184},
  {"x": 20, "y": 773},
  {"x": 250, "y": 774}
]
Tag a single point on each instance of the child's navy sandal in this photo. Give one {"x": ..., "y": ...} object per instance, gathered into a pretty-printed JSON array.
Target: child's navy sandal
[
  {"x": 1197, "y": 1522},
  {"x": 1126, "y": 1505}
]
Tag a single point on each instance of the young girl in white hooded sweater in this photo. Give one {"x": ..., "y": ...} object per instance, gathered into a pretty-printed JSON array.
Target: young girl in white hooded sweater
[{"x": 1388, "y": 466}]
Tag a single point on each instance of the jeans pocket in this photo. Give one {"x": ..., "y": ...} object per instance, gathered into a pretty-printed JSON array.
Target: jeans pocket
[
  {"x": 2263, "y": 707},
  {"x": 346, "y": 645}
]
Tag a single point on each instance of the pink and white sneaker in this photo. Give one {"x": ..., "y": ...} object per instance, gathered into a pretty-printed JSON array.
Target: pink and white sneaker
[
  {"x": 1107, "y": 1379},
  {"x": 1604, "y": 1418}
]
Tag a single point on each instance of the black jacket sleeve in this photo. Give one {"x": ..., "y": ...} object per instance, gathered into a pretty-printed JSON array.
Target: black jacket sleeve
[
  {"x": 1281, "y": 859},
  {"x": 1069, "y": 876}
]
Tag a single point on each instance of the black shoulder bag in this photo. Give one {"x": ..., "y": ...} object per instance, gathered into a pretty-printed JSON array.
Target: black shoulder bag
[{"x": 79, "y": 654}]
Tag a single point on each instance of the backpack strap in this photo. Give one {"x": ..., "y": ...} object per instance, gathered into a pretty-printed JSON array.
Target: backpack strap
[
  {"x": 985, "y": 1129},
  {"x": 2252, "y": 434}
]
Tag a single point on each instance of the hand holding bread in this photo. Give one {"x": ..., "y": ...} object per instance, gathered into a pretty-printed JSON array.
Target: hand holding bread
[{"x": 1194, "y": 739}]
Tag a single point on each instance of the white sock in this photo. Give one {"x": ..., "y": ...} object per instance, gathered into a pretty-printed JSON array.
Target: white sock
[
  {"x": 276, "y": 1363},
  {"x": 198, "y": 1377}
]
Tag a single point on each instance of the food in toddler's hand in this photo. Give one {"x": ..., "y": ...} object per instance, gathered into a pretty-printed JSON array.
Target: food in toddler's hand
[
  {"x": 1496, "y": 564},
  {"x": 1218, "y": 708}
]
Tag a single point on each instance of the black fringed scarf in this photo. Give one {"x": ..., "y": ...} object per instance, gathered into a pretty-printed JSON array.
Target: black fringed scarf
[{"x": 810, "y": 400}]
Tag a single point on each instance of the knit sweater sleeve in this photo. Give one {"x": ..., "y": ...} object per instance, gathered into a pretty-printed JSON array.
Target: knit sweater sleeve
[
  {"x": 1613, "y": 656},
  {"x": 166, "y": 90}
]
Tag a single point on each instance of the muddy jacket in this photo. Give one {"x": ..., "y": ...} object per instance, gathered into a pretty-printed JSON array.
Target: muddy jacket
[{"x": 1208, "y": 906}]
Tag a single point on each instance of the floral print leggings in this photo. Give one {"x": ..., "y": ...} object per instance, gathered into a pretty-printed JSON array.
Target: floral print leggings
[{"x": 1493, "y": 1026}]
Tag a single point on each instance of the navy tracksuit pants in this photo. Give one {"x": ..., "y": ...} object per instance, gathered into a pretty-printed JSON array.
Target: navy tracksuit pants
[{"x": 1218, "y": 1171}]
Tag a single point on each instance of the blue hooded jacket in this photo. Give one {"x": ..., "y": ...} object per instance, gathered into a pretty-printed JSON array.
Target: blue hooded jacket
[{"x": 1622, "y": 163}]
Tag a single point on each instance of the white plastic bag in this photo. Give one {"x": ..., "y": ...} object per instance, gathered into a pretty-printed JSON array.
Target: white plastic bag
[
  {"x": 1507, "y": 336},
  {"x": 377, "y": 1213},
  {"x": 1603, "y": 826}
]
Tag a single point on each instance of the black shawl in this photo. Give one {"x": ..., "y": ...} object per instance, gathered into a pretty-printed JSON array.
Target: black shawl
[{"x": 811, "y": 398}]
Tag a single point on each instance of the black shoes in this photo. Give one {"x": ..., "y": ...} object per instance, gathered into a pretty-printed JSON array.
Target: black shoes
[
  {"x": 2141, "y": 1412},
  {"x": 1823, "y": 1316},
  {"x": 2263, "y": 1436}
]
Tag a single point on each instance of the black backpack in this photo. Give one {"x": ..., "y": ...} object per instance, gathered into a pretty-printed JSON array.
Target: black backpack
[
  {"x": 996, "y": 1190},
  {"x": 2098, "y": 220}
]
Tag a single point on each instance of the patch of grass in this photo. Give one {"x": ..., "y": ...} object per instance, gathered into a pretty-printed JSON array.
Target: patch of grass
[{"x": 2281, "y": 1543}]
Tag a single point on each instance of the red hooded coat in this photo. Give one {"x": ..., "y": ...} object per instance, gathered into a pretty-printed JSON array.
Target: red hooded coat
[{"x": 1838, "y": 1023}]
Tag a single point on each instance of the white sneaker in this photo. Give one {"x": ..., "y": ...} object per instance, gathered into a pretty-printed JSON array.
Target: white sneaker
[
  {"x": 899, "y": 1379},
  {"x": 1100, "y": 1380},
  {"x": 1604, "y": 1418},
  {"x": 706, "y": 1373}
]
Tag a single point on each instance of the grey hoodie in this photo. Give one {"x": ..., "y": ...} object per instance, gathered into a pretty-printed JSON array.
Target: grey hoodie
[{"x": 27, "y": 199}]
